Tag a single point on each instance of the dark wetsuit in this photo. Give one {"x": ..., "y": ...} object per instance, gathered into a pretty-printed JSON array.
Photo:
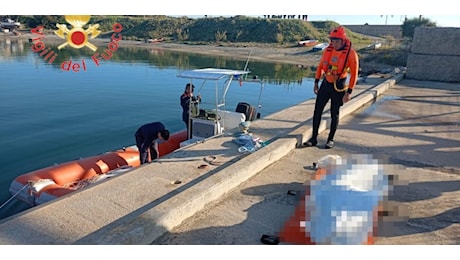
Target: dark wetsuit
[
  {"x": 145, "y": 137},
  {"x": 327, "y": 92},
  {"x": 185, "y": 103},
  {"x": 334, "y": 64}
]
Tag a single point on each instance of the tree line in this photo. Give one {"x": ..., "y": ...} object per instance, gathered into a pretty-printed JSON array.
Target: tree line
[{"x": 279, "y": 29}]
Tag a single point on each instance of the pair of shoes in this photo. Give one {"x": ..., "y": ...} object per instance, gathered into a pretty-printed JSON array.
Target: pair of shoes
[
  {"x": 310, "y": 143},
  {"x": 270, "y": 239},
  {"x": 329, "y": 144}
]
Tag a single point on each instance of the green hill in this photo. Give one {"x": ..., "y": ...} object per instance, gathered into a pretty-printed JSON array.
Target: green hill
[{"x": 237, "y": 29}]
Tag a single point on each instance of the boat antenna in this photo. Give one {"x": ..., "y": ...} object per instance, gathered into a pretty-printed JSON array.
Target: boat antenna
[{"x": 247, "y": 62}]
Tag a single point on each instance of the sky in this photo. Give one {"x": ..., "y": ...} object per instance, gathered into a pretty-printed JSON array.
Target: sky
[
  {"x": 391, "y": 12},
  {"x": 441, "y": 20}
]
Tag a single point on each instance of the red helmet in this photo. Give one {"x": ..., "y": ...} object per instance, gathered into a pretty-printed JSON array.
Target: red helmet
[{"x": 338, "y": 33}]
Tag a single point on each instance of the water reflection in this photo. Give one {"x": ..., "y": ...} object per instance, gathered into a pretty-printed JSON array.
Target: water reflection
[
  {"x": 273, "y": 73},
  {"x": 12, "y": 48}
]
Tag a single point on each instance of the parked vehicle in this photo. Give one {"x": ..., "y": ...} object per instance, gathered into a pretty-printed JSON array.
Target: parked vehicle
[
  {"x": 9, "y": 24},
  {"x": 374, "y": 46},
  {"x": 320, "y": 47},
  {"x": 308, "y": 43}
]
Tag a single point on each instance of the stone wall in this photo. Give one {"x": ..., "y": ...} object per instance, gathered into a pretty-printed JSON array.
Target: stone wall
[
  {"x": 377, "y": 30},
  {"x": 435, "y": 54}
]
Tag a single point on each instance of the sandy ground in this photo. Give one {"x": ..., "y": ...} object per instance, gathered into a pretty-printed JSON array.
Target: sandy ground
[{"x": 292, "y": 55}]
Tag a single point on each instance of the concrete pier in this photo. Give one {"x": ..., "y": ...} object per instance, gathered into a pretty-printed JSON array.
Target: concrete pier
[{"x": 142, "y": 205}]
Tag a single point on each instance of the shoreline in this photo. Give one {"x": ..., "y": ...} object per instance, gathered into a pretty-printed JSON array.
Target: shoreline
[
  {"x": 289, "y": 55},
  {"x": 296, "y": 55}
]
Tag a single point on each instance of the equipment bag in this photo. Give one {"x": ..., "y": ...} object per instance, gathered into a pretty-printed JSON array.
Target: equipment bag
[{"x": 207, "y": 114}]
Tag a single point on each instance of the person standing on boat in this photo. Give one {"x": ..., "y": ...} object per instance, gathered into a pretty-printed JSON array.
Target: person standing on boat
[
  {"x": 189, "y": 104},
  {"x": 339, "y": 59},
  {"x": 147, "y": 137}
]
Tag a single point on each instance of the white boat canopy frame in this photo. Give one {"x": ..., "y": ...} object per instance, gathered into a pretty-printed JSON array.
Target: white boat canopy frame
[
  {"x": 217, "y": 74},
  {"x": 211, "y": 73}
]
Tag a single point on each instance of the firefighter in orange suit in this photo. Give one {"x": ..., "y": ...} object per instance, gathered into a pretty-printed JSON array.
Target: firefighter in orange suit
[{"x": 338, "y": 70}]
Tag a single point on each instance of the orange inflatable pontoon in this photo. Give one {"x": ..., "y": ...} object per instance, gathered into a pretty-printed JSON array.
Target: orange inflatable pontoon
[{"x": 52, "y": 182}]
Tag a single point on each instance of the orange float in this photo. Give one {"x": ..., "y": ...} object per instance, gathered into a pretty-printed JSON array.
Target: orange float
[{"x": 55, "y": 181}]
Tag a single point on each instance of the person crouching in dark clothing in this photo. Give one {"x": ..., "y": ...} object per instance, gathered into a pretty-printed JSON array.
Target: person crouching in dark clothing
[{"x": 146, "y": 140}]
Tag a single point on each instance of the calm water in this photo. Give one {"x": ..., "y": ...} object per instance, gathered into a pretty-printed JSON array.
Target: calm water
[{"x": 52, "y": 116}]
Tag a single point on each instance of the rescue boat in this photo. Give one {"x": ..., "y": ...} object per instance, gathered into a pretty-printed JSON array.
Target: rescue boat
[{"x": 43, "y": 185}]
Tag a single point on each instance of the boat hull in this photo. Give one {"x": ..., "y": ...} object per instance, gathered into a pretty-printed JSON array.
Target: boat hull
[
  {"x": 52, "y": 182},
  {"x": 308, "y": 43}
]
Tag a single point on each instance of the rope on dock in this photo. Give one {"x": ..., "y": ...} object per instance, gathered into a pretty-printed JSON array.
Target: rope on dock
[{"x": 6, "y": 202}]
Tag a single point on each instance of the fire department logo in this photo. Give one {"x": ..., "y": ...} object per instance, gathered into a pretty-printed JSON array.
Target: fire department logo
[{"x": 77, "y": 37}]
